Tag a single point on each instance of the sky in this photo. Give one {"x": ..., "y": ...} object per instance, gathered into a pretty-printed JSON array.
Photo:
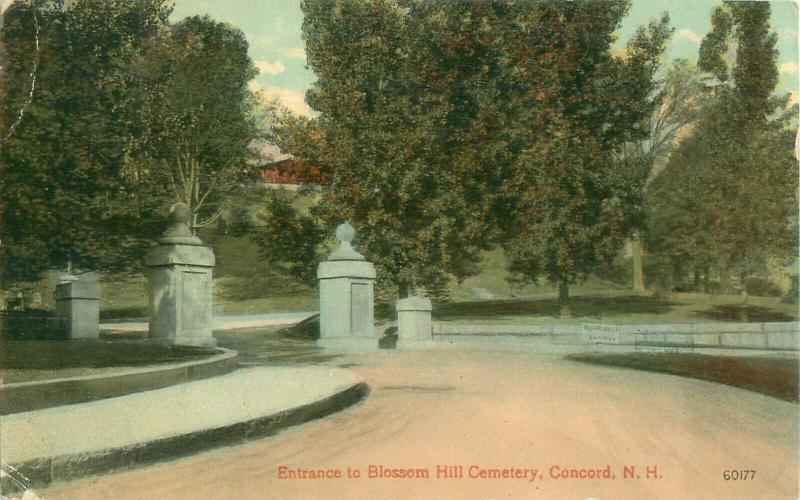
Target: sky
[{"x": 273, "y": 29}]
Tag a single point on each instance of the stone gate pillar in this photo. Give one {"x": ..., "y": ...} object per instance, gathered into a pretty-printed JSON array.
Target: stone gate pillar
[
  {"x": 180, "y": 272},
  {"x": 78, "y": 306},
  {"x": 414, "y": 323},
  {"x": 346, "y": 298}
]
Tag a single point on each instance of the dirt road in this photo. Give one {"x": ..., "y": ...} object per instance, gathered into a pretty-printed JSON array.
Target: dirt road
[{"x": 508, "y": 422}]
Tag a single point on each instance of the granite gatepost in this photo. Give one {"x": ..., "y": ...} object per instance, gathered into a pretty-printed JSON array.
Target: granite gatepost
[
  {"x": 414, "y": 323},
  {"x": 78, "y": 306},
  {"x": 180, "y": 273},
  {"x": 346, "y": 298}
]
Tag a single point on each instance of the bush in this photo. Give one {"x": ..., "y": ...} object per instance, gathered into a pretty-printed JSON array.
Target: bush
[
  {"x": 240, "y": 221},
  {"x": 618, "y": 270},
  {"x": 289, "y": 239},
  {"x": 762, "y": 287},
  {"x": 794, "y": 291}
]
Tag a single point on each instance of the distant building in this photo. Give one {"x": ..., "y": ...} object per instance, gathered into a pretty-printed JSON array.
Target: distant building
[{"x": 290, "y": 172}]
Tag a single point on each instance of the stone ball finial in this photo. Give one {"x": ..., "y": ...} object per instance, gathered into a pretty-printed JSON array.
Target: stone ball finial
[
  {"x": 180, "y": 212},
  {"x": 178, "y": 232},
  {"x": 345, "y": 232}
]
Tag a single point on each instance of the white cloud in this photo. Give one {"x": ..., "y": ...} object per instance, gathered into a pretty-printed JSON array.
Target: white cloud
[
  {"x": 4, "y": 4},
  {"x": 267, "y": 152},
  {"x": 689, "y": 35},
  {"x": 293, "y": 100},
  {"x": 788, "y": 67},
  {"x": 793, "y": 98},
  {"x": 296, "y": 53},
  {"x": 268, "y": 68},
  {"x": 268, "y": 40}
]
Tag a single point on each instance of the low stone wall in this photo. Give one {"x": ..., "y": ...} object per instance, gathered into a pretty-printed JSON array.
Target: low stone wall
[
  {"x": 446, "y": 328},
  {"x": 778, "y": 336},
  {"x": 718, "y": 335},
  {"x": 27, "y": 396}
]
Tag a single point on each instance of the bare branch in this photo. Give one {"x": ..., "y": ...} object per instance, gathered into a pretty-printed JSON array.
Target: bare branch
[
  {"x": 194, "y": 182},
  {"x": 208, "y": 191},
  {"x": 179, "y": 167},
  {"x": 209, "y": 220},
  {"x": 174, "y": 186}
]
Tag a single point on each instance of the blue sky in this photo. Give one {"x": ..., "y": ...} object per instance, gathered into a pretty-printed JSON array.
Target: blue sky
[{"x": 273, "y": 29}]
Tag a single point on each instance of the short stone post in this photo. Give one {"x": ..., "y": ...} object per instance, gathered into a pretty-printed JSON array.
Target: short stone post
[
  {"x": 346, "y": 298},
  {"x": 180, "y": 272},
  {"x": 414, "y": 323},
  {"x": 78, "y": 306}
]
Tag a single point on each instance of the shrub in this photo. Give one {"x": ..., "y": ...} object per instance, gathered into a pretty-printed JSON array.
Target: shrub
[
  {"x": 762, "y": 287},
  {"x": 794, "y": 291}
]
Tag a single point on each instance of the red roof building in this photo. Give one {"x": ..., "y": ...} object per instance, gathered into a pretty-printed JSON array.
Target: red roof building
[{"x": 290, "y": 172}]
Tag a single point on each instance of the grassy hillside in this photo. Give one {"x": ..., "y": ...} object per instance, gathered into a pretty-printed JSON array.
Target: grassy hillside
[
  {"x": 243, "y": 284},
  {"x": 492, "y": 283}
]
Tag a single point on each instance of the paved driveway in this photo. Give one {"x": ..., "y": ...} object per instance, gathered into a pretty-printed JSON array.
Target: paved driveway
[{"x": 504, "y": 417}]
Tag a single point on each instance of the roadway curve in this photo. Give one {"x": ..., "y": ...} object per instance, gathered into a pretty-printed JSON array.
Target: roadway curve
[{"x": 500, "y": 409}]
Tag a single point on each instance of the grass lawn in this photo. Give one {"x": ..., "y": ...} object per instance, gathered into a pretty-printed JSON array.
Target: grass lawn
[
  {"x": 776, "y": 377},
  {"x": 245, "y": 284},
  {"x": 26, "y": 361},
  {"x": 271, "y": 346},
  {"x": 268, "y": 292},
  {"x": 675, "y": 308}
]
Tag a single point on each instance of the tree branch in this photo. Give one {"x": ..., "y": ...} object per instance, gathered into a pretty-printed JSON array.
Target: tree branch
[
  {"x": 210, "y": 188},
  {"x": 210, "y": 219},
  {"x": 179, "y": 168}
]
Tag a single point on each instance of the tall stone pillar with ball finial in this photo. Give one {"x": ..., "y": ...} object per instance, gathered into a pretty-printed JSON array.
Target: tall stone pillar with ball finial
[
  {"x": 180, "y": 272},
  {"x": 346, "y": 298}
]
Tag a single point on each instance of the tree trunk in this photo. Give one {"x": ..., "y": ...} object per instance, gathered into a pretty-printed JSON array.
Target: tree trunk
[
  {"x": 696, "y": 279},
  {"x": 636, "y": 259},
  {"x": 564, "y": 310},
  {"x": 193, "y": 223},
  {"x": 403, "y": 290},
  {"x": 744, "y": 315},
  {"x": 725, "y": 281},
  {"x": 707, "y": 279},
  {"x": 677, "y": 276},
  {"x": 743, "y": 279}
]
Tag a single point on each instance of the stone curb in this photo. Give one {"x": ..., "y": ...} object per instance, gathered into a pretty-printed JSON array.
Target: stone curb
[
  {"x": 27, "y": 396},
  {"x": 44, "y": 471}
]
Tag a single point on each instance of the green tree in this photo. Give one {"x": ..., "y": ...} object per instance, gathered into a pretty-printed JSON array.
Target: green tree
[
  {"x": 571, "y": 202},
  {"x": 200, "y": 111},
  {"x": 403, "y": 108},
  {"x": 728, "y": 197},
  {"x": 9, "y": 130},
  {"x": 289, "y": 238},
  {"x": 128, "y": 115},
  {"x": 678, "y": 101},
  {"x": 67, "y": 183},
  {"x": 454, "y": 125},
  {"x": 725, "y": 203}
]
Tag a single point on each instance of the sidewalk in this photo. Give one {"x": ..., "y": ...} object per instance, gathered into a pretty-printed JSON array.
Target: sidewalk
[
  {"x": 223, "y": 322},
  {"x": 117, "y": 433}
]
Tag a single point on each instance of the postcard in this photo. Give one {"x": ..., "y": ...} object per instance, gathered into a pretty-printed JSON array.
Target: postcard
[{"x": 312, "y": 249}]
